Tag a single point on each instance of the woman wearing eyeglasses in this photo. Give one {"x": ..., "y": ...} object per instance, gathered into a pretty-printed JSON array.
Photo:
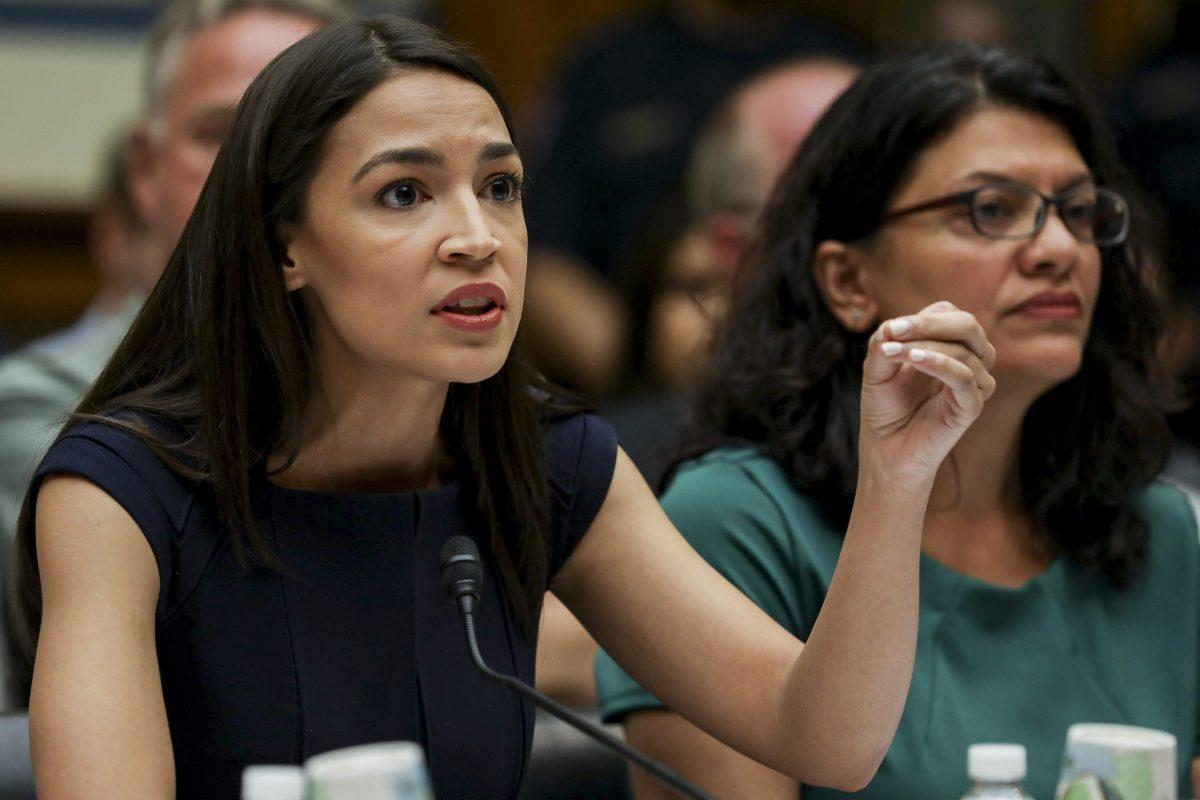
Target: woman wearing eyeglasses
[{"x": 1059, "y": 582}]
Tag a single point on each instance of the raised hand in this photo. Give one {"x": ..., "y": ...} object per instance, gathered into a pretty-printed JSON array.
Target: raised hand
[{"x": 925, "y": 381}]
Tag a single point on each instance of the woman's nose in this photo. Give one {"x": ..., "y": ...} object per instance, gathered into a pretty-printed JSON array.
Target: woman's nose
[
  {"x": 468, "y": 235},
  {"x": 1054, "y": 248}
]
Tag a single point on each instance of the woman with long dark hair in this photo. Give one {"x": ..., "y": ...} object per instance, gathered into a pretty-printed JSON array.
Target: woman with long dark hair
[
  {"x": 230, "y": 555},
  {"x": 1059, "y": 583}
]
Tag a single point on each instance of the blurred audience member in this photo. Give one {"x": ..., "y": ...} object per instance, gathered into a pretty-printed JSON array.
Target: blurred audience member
[
  {"x": 675, "y": 292},
  {"x": 42, "y": 381},
  {"x": 201, "y": 57},
  {"x": 750, "y": 140},
  {"x": 687, "y": 304},
  {"x": 690, "y": 246},
  {"x": 607, "y": 145}
]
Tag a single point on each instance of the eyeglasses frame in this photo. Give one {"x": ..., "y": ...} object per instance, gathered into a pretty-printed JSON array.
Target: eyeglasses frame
[{"x": 1057, "y": 201}]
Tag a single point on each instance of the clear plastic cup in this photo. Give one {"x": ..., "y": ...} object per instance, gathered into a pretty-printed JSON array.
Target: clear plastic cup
[{"x": 384, "y": 771}]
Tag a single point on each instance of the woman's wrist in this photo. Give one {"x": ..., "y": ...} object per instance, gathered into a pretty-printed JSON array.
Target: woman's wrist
[
  {"x": 885, "y": 479},
  {"x": 879, "y": 471}
]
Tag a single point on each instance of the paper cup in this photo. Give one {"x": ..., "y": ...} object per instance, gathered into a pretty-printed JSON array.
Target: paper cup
[
  {"x": 1117, "y": 762},
  {"x": 384, "y": 771}
]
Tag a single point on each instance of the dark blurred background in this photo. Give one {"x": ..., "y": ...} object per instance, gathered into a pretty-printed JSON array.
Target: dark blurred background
[{"x": 69, "y": 78}]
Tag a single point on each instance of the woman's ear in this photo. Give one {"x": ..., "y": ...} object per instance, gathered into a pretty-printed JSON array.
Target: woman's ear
[
  {"x": 841, "y": 275},
  {"x": 293, "y": 272}
]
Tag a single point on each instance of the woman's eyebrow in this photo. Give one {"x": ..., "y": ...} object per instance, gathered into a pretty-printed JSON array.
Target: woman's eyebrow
[
  {"x": 498, "y": 150},
  {"x": 419, "y": 156},
  {"x": 428, "y": 157},
  {"x": 991, "y": 176},
  {"x": 1081, "y": 179},
  {"x": 1001, "y": 177}
]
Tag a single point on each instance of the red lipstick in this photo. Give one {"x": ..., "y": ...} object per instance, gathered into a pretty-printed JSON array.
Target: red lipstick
[
  {"x": 1052, "y": 305},
  {"x": 473, "y": 307}
]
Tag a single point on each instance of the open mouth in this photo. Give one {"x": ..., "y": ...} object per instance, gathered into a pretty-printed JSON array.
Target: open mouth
[
  {"x": 474, "y": 307},
  {"x": 470, "y": 306}
]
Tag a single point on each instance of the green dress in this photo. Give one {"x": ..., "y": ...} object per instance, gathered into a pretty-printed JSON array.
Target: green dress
[{"x": 993, "y": 664}]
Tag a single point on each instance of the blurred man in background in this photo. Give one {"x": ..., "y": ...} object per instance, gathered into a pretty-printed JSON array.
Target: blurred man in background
[
  {"x": 40, "y": 382},
  {"x": 748, "y": 144},
  {"x": 202, "y": 55},
  {"x": 685, "y": 280},
  {"x": 607, "y": 145}
]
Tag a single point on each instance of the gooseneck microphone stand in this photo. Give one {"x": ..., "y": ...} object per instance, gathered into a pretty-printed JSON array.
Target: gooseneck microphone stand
[{"x": 462, "y": 572}]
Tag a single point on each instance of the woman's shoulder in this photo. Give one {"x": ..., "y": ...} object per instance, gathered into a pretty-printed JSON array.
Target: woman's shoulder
[
  {"x": 115, "y": 453},
  {"x": 741, "y": 463},
  {"x": 737, "y": 475},
  {"x": 1170, "y": 513},
  {"x": 579, "y": 445},
  {"x": 744, "y": 494}
]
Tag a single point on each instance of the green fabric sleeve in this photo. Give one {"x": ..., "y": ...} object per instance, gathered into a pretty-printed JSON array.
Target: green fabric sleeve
[{"x": 734, "y": 520}]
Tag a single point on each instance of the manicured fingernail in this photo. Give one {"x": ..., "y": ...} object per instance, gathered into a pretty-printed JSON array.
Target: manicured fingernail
[
  {"x": 917, "y": 354},
  {"x": 899, "y": 327},
  {"x": 891, "y": 348}
]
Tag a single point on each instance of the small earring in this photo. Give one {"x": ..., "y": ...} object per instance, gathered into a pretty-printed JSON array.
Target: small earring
[{"x": 856, "y": 315}]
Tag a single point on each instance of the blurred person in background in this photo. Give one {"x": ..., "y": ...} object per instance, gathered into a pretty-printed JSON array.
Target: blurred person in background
[
  {"x": 689, "y": 249},
  {"x": 1059, "y": 582},
  {"x": 691, "y": 245},
  {"x": 202, "y": 54},
  {"x": 749, "y": 142},
  {"x": 606, "y": 145},
  {"x": 41, "y": 382}
]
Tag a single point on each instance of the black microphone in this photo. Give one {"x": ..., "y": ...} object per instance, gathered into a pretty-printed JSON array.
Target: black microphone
[{"x": 462, "y": 572}]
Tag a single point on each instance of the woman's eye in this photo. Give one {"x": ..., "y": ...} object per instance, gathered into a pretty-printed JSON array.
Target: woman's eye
[
  {"x": 993, "y": 210},
  {"x": 400, "y": 195},
  {"x": 1081, "y": 210},
  {"x": 504, "y": 188}
]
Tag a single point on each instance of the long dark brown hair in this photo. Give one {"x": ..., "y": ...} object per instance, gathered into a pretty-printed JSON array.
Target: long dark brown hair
[
  {"x": 215, "y": 373},
  {"x": 786, "y": 376}
]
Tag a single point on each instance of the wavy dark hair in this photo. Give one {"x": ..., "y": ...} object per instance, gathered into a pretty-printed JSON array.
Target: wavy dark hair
[
  {"x": 220, "y": 357},
  {"x": 787, "y": 377}
]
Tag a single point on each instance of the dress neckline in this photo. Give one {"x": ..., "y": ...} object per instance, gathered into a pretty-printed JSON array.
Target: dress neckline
[
  {"x": 450, "y": 488},
  {"x": 939, "y": 574}
]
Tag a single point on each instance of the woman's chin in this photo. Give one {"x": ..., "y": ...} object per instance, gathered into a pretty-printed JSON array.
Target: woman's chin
[
  {"x": 475, "y": 370},
  {"x": 1042, "y": 369}
]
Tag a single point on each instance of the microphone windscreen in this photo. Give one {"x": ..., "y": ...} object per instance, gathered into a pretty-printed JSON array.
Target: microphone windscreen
[{"x": 460, "y": 561}]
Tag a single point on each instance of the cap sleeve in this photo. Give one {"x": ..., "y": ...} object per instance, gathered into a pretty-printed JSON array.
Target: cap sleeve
[
  {"x": 581, "y": 453},
  {"x": 126, "y": 469}
]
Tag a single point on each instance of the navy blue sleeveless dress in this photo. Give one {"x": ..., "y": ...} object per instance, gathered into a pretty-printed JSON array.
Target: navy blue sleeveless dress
[{"x": 355, "y": 641}]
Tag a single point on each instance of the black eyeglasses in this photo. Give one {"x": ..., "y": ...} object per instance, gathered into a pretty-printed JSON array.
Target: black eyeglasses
[{"x": 1016, "y": 211}]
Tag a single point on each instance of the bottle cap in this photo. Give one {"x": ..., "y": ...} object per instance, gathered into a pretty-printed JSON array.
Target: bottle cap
[
  {"x": 996, "y": 762},
  {"x": 283, "y": 782}
]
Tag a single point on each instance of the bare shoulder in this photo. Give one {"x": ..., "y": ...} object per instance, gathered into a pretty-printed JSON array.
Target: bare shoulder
[{"x": 84, "y": 536}]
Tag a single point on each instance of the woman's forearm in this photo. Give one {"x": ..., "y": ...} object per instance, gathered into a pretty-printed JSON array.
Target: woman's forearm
[{"x": 846, "y": 691}]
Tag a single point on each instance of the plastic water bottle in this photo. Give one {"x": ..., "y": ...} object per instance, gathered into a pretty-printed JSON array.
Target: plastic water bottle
[
  {"x": 283, "y": 782},
  {"x": 996, "y": 771}
]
